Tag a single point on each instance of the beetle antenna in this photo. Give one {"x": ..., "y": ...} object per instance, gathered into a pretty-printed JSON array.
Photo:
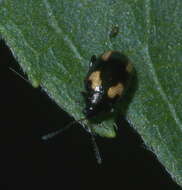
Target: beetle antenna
[
  {"x": 95, "y": 147},
  {"x": 53, "y": 134},
  {"x": 19, "y": 75}
]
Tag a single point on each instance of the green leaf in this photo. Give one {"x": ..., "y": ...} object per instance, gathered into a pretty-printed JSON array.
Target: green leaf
[{"x": 53, "y": 41}]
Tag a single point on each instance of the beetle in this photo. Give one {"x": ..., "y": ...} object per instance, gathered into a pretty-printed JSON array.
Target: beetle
[
  {"x": 107, "y": 79},
  {"x": 105, "y": 83}
]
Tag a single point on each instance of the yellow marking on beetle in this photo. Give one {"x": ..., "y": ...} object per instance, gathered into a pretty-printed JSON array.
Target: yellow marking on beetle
[
  {"x": 95, "y": 79},
  {"x": 116, "y": 90},
  {"x": 129, "y": 67},
  {"x": 106, "y": 55}
]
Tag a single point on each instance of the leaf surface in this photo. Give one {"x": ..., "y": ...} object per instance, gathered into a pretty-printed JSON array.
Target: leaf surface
[{"x": 53, "y": 41}]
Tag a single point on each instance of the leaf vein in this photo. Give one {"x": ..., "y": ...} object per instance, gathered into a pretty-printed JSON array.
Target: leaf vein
[
  {"x": 161, "y": 91},
  {"x": 54, "y": 24},
  {"x": 155, "y": 77},
  {"x": 19, "y": 31}
]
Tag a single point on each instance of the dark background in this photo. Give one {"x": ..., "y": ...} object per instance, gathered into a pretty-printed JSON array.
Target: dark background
[{"x": 66, "y": 161}]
